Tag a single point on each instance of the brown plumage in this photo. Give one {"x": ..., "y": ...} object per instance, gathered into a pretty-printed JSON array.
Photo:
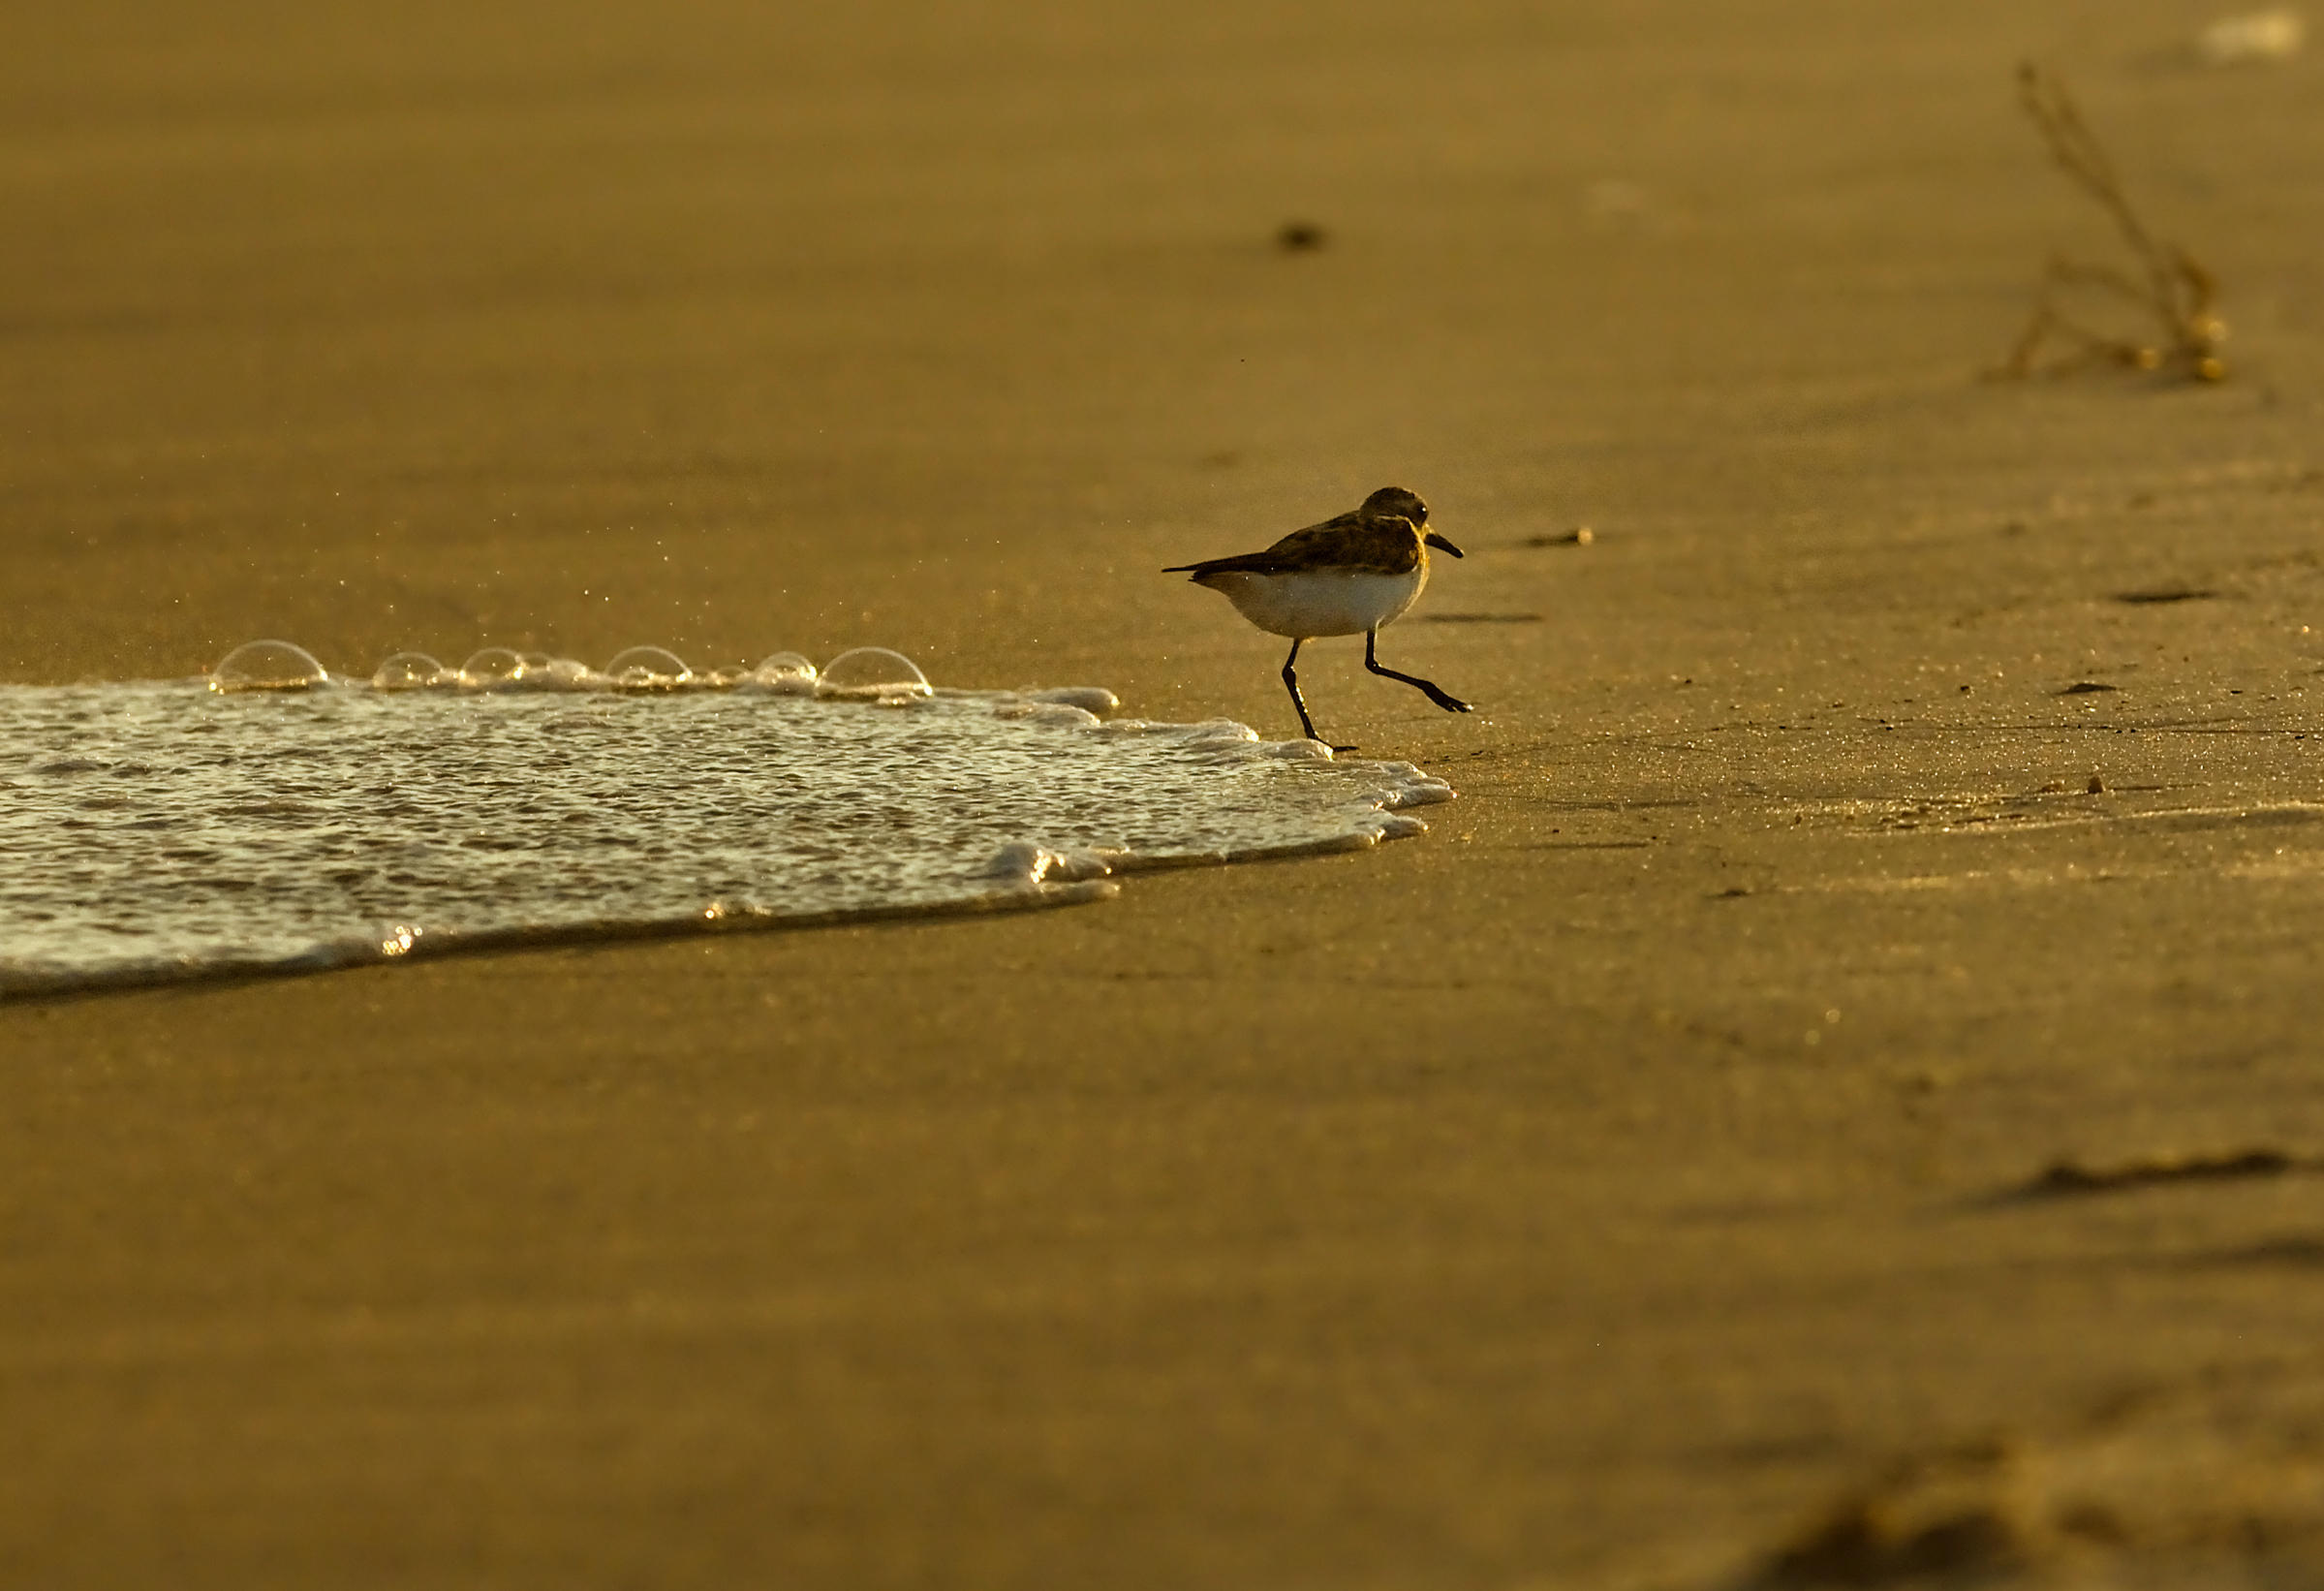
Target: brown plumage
[{"x": 1384, "y": 536}]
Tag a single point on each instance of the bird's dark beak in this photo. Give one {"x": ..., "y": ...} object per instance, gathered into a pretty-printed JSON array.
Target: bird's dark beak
[{"x": 1442, "y": 545}]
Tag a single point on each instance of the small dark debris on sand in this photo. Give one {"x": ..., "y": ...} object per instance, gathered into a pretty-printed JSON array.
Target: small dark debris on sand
[
  {"x": 1927, "y": 1522},
  {"x": 2087, "y": 687},
  {"x": 2069, "y": 1178},
  {"x": 2207, "y": 1484},
  {"x": 1301, "y": 238},
  {"x": 2166, "y": 593}
]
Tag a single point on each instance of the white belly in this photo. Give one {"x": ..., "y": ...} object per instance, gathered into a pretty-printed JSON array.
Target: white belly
[{"x": 1321, "y": 602}]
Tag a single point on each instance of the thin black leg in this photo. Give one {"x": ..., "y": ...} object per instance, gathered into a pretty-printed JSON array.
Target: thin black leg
[
  {"x": 1450, "y": 703},
  {"x": 1290, "y": 682}
]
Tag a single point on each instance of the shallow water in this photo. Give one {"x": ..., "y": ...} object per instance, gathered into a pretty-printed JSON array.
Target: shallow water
[{"x": 160, "y": 831}]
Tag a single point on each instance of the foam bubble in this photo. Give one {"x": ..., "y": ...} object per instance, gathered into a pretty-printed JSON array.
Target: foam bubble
[
  {"x": 872, "y": 673},
  {"x": 1088, "y": 698},
  {"x": 491, "y": 668},
  {"x": 558, "y": 673},
  {"x": 410, "y": 672},
  {"x": 1025, "y": 865},
  {"x": 1292, "y": 751},
  {"x": 648, "y": 669},
  {"x": 786, "y": 672},
  {"x": 1035, "y": 710},
  {"x": 268, "y": 665}
]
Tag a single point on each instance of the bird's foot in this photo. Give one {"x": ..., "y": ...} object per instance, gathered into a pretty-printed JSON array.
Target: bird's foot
[{"x": 1435, "y": 693}]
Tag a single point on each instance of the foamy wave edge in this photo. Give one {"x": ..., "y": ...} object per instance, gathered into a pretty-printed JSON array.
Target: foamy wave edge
[{"x": 1024, "y": 875}]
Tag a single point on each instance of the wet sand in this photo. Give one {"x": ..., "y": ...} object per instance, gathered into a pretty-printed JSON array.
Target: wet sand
[{"x": 1635, "y": 1181}]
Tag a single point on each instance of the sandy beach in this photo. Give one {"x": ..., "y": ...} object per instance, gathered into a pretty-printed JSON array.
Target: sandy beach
[{"x": 1833, "y": 1103}]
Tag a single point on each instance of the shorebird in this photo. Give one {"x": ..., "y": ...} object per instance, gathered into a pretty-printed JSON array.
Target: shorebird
[{"x": 1348, "y": 576}]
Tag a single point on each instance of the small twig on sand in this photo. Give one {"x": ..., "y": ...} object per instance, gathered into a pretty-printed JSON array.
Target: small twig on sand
[{"x": 2170, "y": 286}]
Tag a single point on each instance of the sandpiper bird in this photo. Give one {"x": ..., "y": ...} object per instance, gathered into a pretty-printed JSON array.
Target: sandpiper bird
[{"x": 1348, "y": 576}]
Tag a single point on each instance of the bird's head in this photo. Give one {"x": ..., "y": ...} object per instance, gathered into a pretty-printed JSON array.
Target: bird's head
[{"x": 1396, "y": 503}]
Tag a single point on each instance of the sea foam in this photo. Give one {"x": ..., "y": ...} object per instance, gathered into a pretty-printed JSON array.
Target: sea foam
[{"x": 269, "y": 818}]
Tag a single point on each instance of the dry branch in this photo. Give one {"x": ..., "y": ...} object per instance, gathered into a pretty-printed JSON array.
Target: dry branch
[{"x": 2167, "y": 283}]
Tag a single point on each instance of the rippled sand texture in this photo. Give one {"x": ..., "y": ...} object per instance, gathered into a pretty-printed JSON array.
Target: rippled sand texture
[{"x": 159, "y": 832}]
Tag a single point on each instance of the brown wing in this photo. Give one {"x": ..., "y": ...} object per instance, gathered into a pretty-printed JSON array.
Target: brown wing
[{"x": 1386, "y": 544}]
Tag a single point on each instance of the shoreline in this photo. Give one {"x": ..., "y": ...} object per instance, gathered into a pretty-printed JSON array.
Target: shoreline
[{"x": 201, "y": 902}]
